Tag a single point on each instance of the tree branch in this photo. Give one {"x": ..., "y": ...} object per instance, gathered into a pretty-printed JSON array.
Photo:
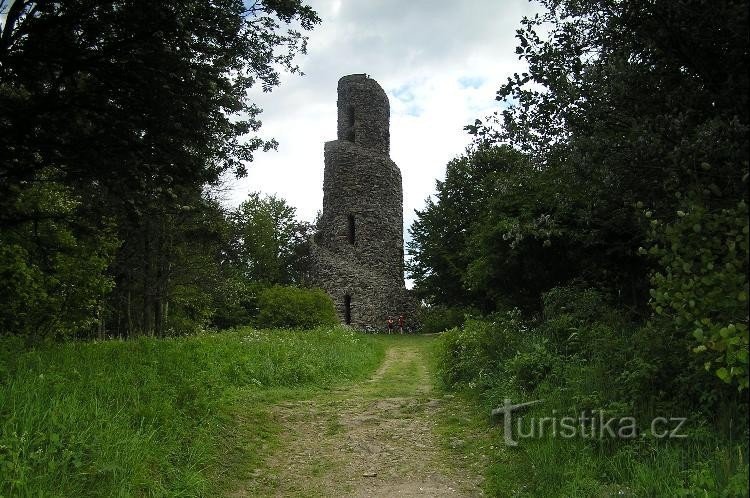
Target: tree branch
[{"x": 15, "y": 12}]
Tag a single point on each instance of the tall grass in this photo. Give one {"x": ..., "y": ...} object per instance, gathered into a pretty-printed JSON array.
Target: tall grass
[
  {"x": 502, "y": 357},
  {"x": 145, "y": 417}
]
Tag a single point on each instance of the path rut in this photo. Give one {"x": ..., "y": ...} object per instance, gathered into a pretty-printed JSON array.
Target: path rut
[{"x": 374, "y": 438}]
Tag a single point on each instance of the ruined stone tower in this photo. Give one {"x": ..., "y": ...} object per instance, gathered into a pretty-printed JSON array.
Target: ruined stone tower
[{"x": 358, "y": 251}]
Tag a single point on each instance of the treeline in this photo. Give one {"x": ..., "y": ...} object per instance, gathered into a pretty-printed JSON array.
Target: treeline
[
  {"x": 618, "y": 161},
  {"x": 118, "y": 120},
  {"x": 596, "y": 237}
]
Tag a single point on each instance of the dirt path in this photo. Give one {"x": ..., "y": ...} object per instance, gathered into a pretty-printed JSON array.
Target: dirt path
[{"x": 374, "y": 438}]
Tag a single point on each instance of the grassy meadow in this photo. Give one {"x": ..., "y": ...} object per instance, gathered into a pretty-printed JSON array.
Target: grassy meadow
[{"x": 157, "y": 416}]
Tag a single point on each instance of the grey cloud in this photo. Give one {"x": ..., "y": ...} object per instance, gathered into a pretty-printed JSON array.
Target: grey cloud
[{"x": 395, "y": 41}]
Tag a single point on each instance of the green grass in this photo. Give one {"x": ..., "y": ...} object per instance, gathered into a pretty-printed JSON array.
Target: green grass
[
  {"x": 408, "y": 373},
  {"x": 708, "y": 463},
  {"x": 158, "y": 416},
  {"x": 701, "y": 465}
]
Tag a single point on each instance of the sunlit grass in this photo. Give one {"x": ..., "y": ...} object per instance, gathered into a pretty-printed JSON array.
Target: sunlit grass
[{"x": 156, "y": 416}]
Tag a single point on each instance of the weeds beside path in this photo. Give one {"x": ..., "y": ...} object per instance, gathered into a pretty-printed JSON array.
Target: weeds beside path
[
  {"x": 183, "y": 416},
  {"x": 372, "y": 438}
]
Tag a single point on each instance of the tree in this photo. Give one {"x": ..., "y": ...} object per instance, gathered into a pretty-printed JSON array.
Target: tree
[
  {"x": 440, "y": 237},
  {"x": 631, "y": 103},
  {"x": 270, "y": 243},
  {"x": 53, "y": 270},
  {"x": 159, "y": 87},
  {"x": 493, "y": 237},
  {"x": 636, "y": 95},
  {"x": 633, "y": 116},
  {"x": 136, "y": 107}
]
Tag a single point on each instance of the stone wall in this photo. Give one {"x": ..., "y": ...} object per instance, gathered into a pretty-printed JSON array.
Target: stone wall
[
  {"x": 358, "y": 250},
  {"x": 364, "y": 113}
]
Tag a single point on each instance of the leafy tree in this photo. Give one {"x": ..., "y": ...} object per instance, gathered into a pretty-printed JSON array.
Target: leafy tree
[
  {"x": 172, "y": 271},
  {"x": 438, "y": 247},
  {"x": 629, "y": 102},
  {"x": 158, "y": 87},
  {"x": 53, "y": 270},
  {"x": 653, "y": 86},
  {"x": 644, "y": 104},
  {"x": 625, "y": 106},
  {"x": 137, "y": 107},
  {"x": 270, "y": 243},
  {"x": 503, "y": 231}
]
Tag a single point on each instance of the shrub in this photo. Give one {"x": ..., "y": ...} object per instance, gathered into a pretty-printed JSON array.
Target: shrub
[
  {"x": 529, "y": 367},
  {"x": 237, "y": 304},
  {"x": 475, "y": 354},
  {"x": 701, "y": 289},
  {"x": 585, "y": 304},
  {"x": 586, "y": 357},
  {"x": 579, "y": 322},
  {"x": 293, "y": 307},
  {"x": 53, "y": 276},
  {"x": 440, "y": 318}
]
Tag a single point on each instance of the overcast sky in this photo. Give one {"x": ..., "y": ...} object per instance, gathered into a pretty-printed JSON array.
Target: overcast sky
[{"x": 440, "y": 64}]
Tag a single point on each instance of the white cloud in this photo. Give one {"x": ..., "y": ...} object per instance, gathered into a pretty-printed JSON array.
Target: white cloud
[{"x": 440, "y": 65}]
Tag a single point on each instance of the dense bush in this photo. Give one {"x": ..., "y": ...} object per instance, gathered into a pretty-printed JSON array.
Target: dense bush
[
  {"x": 435, "y": 319},
  {"x": 238, "y": 306},
  {"x": 53, "y": 272},
  {"x": 553, "y": 192},
  {"x": 474, "y": 354},
  {"x": 701, "y": 287},
  {"x": 585, "y": 356},
  {"x": 294, "y": 307},
  {"x": 109, "y": 219}
]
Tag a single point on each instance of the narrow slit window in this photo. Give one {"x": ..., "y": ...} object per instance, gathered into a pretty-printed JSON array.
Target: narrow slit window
[
  {"x": 351, "y": 229},
  {"x": 347, "y": 309},
  {"x": 350, "y": 123}
]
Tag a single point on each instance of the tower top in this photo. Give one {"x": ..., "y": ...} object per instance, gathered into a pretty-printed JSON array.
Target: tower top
[{"x": 363, "y": 113}]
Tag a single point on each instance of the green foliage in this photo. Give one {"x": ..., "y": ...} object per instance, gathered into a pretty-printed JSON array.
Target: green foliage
[
  {"x": 267, "y": 245},
  {"x": 53, "y": 271},
  {"x": 585, "y": 357},
  {"x": 703, "y": 480},
  {"x": 591, "y": 151},
  {"x": 580, "y": 304},
  {"x": 147, "y": 417},
  {"x": 270, "y": 244},
  {"x": 293, "y": 307},
  {"x": 491, "y": 239},
  {"x": 590, "y": 57},
  {"x": 171, "y": 271},
  {"x": 161, "y": 89},
  {"x": 237, "y": 305},
  {"x": 648, "y": 367},
  {"x": 434, "y": 319},
  {"x": 473, "y": 355},
  {"x": 701, "y": 287},
  {"x": 504, "y": 231},
  {"x": 623, "y": 104},
  {"x": 530, "y": 367}
]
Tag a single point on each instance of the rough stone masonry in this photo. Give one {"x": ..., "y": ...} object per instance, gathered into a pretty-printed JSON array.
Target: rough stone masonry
[{"x": 358, "y": 252}]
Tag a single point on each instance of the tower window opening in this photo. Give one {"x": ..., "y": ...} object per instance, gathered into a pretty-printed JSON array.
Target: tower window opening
[
  {"x": 350, "y": 123},
  {"x": 348, "y": 309},
  {"x": 351, "y": 229}
]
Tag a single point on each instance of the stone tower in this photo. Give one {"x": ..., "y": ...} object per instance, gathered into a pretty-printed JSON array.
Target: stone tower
[{"x": 358, "y": 254}]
